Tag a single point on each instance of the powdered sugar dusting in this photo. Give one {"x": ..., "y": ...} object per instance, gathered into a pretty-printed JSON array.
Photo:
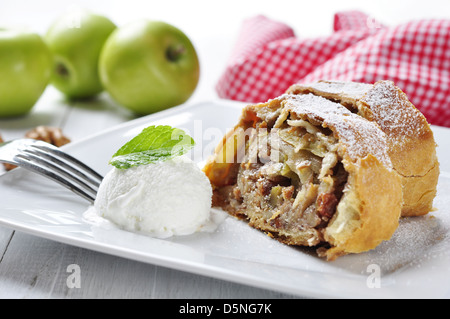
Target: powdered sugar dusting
[
  {"x": 382, "y": 102},
  {"x": 357, "y": 135},
  {"x": 354, "y": 90},
  {"x": 393, "y": 112}
]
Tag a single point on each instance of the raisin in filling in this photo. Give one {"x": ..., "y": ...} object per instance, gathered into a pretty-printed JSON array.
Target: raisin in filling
[{"x": 291, "y": 179}]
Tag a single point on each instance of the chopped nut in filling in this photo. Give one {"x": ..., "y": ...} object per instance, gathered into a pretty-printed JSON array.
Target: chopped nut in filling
[{"x": 290, "y": 179}]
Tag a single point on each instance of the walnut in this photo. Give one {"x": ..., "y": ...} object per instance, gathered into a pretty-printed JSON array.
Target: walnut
[
  {"x": 7, "y": 166},
  {"x": 52, "y": 135}
]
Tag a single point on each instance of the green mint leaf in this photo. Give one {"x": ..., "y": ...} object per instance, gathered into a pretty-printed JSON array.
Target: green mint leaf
[{"x": 153, "y": 144}]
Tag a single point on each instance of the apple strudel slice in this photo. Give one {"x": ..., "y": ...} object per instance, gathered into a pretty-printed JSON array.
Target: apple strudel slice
[
  {"x": 411, "y": 145},
  {"x": 308, "y": 172}
]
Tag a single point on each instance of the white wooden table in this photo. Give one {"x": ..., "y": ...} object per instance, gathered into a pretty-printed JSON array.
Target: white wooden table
[{"x": 32, "y": 267}]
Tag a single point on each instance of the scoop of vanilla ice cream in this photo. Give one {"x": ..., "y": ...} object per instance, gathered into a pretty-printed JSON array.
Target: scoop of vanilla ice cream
[{"x": 161, "y": 199}]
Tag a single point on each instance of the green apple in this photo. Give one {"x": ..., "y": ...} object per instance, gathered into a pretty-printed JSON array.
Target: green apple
[
  {"x": 76, "y": 40},
  {"x": 148, "y": 66},
  {"x": 25, "y": 70}
]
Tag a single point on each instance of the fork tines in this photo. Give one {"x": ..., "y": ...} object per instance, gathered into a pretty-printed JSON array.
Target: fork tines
[{"x": 48, "y": 160}]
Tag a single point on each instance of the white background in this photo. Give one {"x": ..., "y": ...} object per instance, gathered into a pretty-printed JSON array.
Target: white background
[{"x": 31, "y": 267}]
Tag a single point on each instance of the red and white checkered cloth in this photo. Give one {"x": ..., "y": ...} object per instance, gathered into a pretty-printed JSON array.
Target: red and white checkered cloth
[{"x": 268, "y": 58}]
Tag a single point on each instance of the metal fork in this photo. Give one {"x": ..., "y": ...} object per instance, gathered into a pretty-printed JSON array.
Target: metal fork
[{"x": 48, "y": 160}]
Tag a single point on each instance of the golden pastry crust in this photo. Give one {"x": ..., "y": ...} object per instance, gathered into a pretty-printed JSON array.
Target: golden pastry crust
[
  {"x": 364, "y": 204},
  {"x": 411, "y": 144},
  {"x": 369, "y": 211}
]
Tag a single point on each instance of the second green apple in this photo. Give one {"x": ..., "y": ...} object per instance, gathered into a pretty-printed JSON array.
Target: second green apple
[
  {"x": 148, "y": 66},
  {"x": 76, "y": 40}
]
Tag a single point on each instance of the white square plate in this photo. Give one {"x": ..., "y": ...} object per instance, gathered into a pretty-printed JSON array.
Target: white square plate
[{"x": 415, "y": 263}]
